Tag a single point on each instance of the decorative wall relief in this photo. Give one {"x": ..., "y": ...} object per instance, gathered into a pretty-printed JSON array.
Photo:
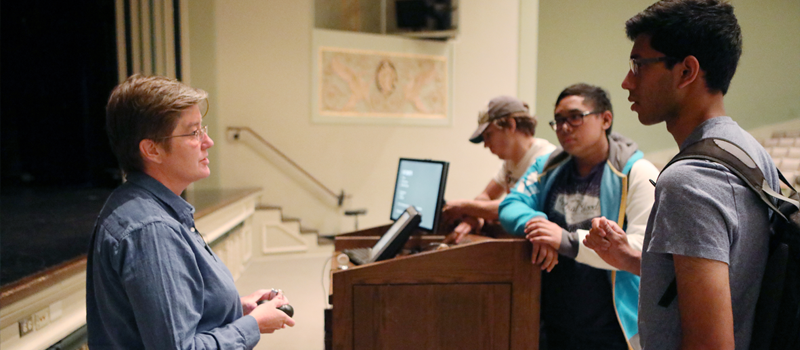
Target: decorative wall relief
[
  {"x": 360, "y": 85},
  {"x": 382, "y": 84}
]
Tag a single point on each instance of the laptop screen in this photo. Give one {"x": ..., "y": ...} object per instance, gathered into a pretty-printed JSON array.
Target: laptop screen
[{"x": 420, "y": 183}]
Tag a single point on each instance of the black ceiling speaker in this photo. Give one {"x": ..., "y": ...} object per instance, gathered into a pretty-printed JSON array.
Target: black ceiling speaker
[{"x": 424, "y": 14}]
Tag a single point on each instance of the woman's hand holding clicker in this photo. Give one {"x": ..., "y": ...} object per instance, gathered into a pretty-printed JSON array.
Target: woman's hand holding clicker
[{"x": 268, "y": 316}]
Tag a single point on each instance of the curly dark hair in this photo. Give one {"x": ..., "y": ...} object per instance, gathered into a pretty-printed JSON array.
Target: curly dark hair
[{"x": 705, "y": 29}]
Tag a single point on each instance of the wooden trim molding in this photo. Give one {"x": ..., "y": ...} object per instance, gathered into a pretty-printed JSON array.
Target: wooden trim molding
[
  {"x": 37, "y": 282},
  {"x": 206, "y": 202}
]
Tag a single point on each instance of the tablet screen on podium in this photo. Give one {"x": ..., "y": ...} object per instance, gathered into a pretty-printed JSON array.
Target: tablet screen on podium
[
  {"x": 393, "y": 240},
  {"x": 420, "y": 183}
]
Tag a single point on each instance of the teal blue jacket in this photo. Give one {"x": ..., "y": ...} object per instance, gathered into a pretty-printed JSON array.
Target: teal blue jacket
[{"x": 626, "y": 197}]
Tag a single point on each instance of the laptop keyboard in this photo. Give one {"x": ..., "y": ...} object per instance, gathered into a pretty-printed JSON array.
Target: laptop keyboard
[{"x": 358, "y": 256}]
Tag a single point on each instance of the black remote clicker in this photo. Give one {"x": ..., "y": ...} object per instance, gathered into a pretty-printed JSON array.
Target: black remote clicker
[{"x": 287, "y": 309}]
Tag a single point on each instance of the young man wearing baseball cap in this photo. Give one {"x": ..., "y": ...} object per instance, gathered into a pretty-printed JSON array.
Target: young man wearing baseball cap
[{"x": 506, "y": 127}]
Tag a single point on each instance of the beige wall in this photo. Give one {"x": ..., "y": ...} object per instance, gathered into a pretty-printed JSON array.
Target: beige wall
[
  {"x": 262, "y": 80},
  {"x": 585, "y": 41},
  {"x": 255, "y": 58}
]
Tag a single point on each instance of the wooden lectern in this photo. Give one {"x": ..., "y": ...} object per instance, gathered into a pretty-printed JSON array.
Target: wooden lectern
[{"x": 479, "y": 295}]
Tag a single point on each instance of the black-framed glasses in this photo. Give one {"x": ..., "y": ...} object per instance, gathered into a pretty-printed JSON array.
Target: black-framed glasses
[
  {"x": 198, "y": 134},
  {"x": 637, "y": 63},
  {"x": 573, "y": 119}
]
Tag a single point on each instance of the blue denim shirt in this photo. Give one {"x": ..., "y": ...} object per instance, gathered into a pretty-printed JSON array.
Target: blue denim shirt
[{"x": 153, "y": 283}]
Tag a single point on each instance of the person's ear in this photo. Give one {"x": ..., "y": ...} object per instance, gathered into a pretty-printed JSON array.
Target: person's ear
[
  {"x": 608, "y": 118},
  {"x": 512, "y": 124},
  {"x": 151, "y": 151},
  {"x": 689, "y": 72}
]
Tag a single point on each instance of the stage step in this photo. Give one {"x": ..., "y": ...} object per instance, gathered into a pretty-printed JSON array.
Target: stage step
[{"x": 279, "y": 234}]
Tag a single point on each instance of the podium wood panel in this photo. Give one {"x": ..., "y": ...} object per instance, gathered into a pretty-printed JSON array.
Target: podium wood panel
[
  {"x": 483, "y": 295},
  {"x": 434, "y": 317}
]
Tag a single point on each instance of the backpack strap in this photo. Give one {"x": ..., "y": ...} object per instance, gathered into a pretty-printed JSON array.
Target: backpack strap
[{"x": 743, "y": 166}]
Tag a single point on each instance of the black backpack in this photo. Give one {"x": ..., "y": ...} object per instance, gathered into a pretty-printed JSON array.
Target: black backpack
[{"x": 777, "y": 320}]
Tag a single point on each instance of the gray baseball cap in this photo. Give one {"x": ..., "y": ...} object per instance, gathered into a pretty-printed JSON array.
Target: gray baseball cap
[{"x": 499, "y": 107}]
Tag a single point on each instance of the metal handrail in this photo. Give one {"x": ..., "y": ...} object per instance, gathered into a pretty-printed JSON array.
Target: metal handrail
[{"x": 238, "y": 129}]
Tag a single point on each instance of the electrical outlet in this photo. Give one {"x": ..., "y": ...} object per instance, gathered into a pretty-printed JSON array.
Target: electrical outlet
[
  {"x": 25, "y": 325},
  {"x": 42, "y": 318}
]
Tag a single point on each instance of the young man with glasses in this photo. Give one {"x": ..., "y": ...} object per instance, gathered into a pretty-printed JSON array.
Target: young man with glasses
[
  {"x": 506, "y": 128},
  {"x": 151, "y": 280},
  {"x": 708, "y": 233},
  {"x": 586, "y": 303}
]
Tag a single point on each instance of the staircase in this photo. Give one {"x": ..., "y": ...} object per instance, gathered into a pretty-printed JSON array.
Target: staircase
[
  {"x": 277, "y": 234},
  {"x": 322, "y": 206}
]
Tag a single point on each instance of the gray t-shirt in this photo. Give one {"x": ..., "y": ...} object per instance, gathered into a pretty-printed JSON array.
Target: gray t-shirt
[{"x": 703, "y": 210}]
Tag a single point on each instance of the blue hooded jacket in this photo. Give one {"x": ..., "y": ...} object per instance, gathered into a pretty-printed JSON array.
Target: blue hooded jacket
[{"x": 626, "y": 197}]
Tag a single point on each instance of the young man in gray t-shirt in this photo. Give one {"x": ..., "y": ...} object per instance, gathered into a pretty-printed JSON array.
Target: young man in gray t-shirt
[{"x": 707, "y": 231}]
